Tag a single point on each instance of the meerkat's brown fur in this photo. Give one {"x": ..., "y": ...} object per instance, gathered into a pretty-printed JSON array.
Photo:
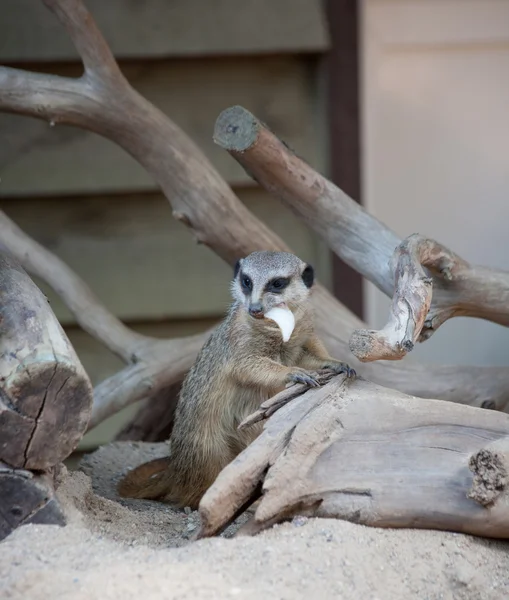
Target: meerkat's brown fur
[{"x": 243, "y": 363}]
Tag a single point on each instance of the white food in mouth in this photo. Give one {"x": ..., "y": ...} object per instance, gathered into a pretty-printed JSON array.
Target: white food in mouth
[{"x": 284, "y": 318}]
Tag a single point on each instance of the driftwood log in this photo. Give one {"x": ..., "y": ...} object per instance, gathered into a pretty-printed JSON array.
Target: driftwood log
[
  {"x": 45, "y": 400},
  {"x": 357, "y": 451},
  {"x": 429, "y": 283},
  {"x": 46, "y": 396}
]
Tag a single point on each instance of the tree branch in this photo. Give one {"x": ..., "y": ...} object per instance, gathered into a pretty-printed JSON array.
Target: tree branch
[
  {"x": 367, "y": 245},
  {"x": 95, "y": 53},
  {"x": 49, "y": 97}
]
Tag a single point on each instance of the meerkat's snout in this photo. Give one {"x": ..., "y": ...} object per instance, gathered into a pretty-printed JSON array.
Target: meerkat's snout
[{"x": 256, "y": 310}]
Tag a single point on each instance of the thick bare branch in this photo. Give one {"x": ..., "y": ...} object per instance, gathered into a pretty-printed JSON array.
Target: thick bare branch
[
  {"x": 367, "y": 245},
  {"x": 49, "y": 97},
  {"x": 358, "y": 238}
]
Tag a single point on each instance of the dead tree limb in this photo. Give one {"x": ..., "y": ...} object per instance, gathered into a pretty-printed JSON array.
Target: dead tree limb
[
  {"x": 368, "y": 245},
  {"x": 381, "y": 459},
  {"x": 45, "y": 394},
  {"x": 102, "y": 101}
]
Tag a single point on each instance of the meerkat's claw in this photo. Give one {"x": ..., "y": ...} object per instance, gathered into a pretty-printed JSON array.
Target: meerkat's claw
[
  {"x": 303, "y": 377},
  {"x": 351, "y": 373},
  {"x": 340, "y": 368}
]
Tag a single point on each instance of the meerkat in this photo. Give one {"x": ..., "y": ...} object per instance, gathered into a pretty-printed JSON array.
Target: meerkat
[{"x": 244, "y": 362}]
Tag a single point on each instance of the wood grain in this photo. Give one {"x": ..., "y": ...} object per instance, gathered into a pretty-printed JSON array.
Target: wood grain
[
  {"x": 407, "y": 465},
  {"x": 45, "y": 394}
]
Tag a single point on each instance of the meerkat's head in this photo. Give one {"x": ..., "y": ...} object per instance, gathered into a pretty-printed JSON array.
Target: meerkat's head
[{"x": 265, "y": 280}]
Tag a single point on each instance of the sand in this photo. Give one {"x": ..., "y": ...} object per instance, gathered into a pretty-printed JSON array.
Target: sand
[{"x": 124, "y": 549}]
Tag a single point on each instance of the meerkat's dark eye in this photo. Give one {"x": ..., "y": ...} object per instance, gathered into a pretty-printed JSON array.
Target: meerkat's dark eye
[
  {"x": 308, "y": 276},
  {"x": 246, "y": 283},
  {"x": 278, "y": 285}
]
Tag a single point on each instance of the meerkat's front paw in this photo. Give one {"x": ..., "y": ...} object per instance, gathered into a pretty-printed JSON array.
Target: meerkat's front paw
[
  {"x": 302, "y": 376},
  {"x": 339, "y": 367}
]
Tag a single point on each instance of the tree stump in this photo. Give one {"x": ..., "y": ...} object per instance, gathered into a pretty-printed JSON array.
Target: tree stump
[
  {"x": 45, "y": 394},
  {"x": 45, "y": 399}
]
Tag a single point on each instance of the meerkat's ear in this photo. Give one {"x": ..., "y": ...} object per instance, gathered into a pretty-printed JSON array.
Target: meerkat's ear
[
  {"x": 236, "y": 268},
  {"x": 308, "y": 276}
]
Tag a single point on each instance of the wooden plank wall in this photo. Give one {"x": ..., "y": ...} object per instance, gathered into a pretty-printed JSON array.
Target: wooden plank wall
[{"x": 95, "y": 207}]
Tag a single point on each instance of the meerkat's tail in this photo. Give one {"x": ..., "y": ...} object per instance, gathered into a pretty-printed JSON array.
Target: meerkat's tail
[{"x": 149, "y": 481}]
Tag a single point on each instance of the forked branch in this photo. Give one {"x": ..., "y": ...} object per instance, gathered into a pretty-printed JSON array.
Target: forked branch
[
  {"x": 409, "y": 318},
  {"x": 421, "y": 302},
  {"x": 95, "y": 53}
]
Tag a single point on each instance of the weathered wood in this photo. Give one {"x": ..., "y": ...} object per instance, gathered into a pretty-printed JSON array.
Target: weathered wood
[
  {"x": 102, "y": 101},
  {"x": 409, "y": 318},
  {"x": 366, "y": 244},
  {"x": 25, "y": 498},
  {"x": 134, "y": 236},
  {"x": 158, "y": 28},
  {"x": 381, "y": 459},
  {"x": 490, "y": 468},
  {"x": 45, "y": 394},
  {"x": 276, "y": 88}
]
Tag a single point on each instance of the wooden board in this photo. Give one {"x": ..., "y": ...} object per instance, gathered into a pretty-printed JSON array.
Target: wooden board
[
  {"x": 162, "y": 28},
  {"x": 142, "y": 263},
  {"x": 36, "y": 159}
]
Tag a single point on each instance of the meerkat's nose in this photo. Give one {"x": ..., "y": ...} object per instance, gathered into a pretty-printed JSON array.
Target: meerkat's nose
[{"x": 256, "y": 310}]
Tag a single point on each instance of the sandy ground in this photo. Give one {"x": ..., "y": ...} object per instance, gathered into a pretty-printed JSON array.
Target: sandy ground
[{"x": 141, "y": 550}]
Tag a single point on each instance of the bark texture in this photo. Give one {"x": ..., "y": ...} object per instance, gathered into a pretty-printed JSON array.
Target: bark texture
[
  {"x": 360, "y": 452},
  {"x": 45, "y": 394}
]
